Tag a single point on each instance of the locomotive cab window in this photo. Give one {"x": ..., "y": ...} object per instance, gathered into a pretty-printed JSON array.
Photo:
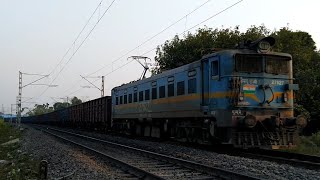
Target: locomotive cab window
[
  {"x": 214, "y": 69},
  {"x": 277, "y": 65},
  {"x": 121, "y": 100},
  {"x": 249, "y": 63},
  {"x": 117, "y": 100}
]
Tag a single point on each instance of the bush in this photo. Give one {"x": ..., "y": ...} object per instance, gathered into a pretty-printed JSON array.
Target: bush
[{"x": 308, "y": 145}]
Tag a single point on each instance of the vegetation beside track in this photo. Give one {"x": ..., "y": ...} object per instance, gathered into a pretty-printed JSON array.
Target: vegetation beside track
[
  {"x": 14, "y": 164},
  {"x": 308, "y": 145}
]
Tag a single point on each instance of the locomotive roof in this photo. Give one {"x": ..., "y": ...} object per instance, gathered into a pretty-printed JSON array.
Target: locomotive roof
[{"x": 196, "y": 64}]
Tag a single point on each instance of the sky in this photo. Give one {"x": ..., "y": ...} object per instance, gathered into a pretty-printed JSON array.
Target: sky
[{"x": 35, "y": 37}]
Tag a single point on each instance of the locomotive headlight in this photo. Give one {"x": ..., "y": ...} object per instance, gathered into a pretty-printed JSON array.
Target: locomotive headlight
[
  {"x": 264, "y": 46},
  {"x": 301, "y": 121},
  {"x": 285, "y": 97}
]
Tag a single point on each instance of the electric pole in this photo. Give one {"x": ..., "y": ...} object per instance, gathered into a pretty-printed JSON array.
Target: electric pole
[
  {"x": 19, "y": 99},
  {"x": 102, "y": 87},
  {"x": 102, "y": 84},
  {"x": 18, "y": 118}
]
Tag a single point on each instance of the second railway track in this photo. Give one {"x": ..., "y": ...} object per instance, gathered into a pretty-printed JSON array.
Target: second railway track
[
  {"x": 144, "y": 164},
  {"x": 295, "y": 159}
]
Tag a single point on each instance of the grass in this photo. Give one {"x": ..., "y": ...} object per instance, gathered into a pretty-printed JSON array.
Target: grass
[
  {"x": 308, "y": 145},
  {"x": 20, "y": 165}
]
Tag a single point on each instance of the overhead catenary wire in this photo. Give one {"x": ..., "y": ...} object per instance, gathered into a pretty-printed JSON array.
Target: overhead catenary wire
[
  {"x": 193, "y": 27},
  {"x": 207, "y": 19},
  {"x": 144, "y": 42},
  {"x": 105, "y": 75},
  {"x": 104, "y": 13},
  {"x": 72, "y": 45},
  {"x": 179, "y": 34},
  {"x": 152, "y": 37}
]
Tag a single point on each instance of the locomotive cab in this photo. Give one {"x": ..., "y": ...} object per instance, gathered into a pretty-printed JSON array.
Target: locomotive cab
[{"x": 249, "y": 92}]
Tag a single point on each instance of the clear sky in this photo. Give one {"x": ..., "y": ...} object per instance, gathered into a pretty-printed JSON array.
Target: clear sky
[{"x": 35, "y": 35}]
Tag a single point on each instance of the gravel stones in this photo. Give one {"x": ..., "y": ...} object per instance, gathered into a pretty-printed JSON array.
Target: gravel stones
[
  {"x": 65, "y": 161},
  {"x": 258, "y": 168}
]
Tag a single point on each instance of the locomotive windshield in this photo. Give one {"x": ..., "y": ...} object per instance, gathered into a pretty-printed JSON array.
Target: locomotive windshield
[
  {"x": 249, "y": 63},
  {"x": 277, "y": 65}
]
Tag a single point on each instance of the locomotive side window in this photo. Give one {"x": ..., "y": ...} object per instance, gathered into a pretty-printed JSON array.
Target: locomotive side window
[
  {"x": 130, "y": 98},
  {"x": 147, "y": 94},
  {"x": 154, "y": 93},
  {"x": 277, "y": 65},
  {"x": 117, "y": 100},
  {"x": 170, "y": 90},
  {"x": 120, "y": 99},
  {"x": 214, "y": 68},
  {"x": 140, "y": 96},
  {"x": 135, "y": 97},
  {"x": 125, "y": 99},
  {"x": 180, "y": 88},
  {"x": 248, "y": 63},
  {"x": 192, "y": 86},
  {"x": 162, "y": 91}
]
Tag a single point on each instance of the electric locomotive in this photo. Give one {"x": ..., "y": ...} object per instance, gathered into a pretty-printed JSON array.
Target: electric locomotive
[{"x": 242, "y": 96}]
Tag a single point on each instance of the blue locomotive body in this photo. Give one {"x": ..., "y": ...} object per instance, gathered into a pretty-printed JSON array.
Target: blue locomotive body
[{"x": 242, "y": 97}]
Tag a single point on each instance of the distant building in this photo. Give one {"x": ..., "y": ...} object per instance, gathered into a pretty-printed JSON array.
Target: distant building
[{"x": 5, "y": 116}]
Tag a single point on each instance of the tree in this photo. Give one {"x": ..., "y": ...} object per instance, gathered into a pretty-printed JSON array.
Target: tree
[
  {"x": 60, "y": 105},
  {"x": 178, "y": 51},
  {"x": 40, "y": 109},
  {"x": 75, "y": 101}
]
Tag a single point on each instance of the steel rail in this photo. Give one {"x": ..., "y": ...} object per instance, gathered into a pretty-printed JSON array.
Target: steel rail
[
  {"x": 302, "y": 160},
  {"x": 214, "y": 171},
  {"x": 140, "y": 173}
]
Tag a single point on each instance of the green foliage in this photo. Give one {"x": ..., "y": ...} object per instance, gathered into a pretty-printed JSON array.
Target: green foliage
[
  {"x": 60, "y": 105},
  {"x": 20, "y": 165},
  {"x": 75, "y": 101},
  {"x": 308, "y": 145},
  {"x": 40, "y": 109},
  {"x": 45, "y": 108},
  {"x": 178, "y": 51}
]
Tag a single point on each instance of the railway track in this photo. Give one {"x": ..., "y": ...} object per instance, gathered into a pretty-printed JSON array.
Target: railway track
[
  {"x": 144, "y": 164},
  {"x": 295, "y": 159}
]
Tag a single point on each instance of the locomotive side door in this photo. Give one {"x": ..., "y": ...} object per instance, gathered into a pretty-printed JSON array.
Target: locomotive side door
[
  {"x": 205, "y": 83},
  {"x": 210, "y": 76}
]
